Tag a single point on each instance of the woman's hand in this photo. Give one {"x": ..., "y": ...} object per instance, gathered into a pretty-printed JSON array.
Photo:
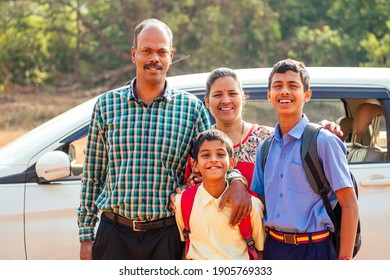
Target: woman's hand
[
  {"x": 172, "y": 197},
  {"x": 194, "y": 179},
  {"x": 332, "y": 127}
]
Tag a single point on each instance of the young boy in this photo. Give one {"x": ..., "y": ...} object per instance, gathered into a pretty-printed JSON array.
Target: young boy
[
  {"x": 210, "y": 235},
  {"x": 292, "y": 206}
]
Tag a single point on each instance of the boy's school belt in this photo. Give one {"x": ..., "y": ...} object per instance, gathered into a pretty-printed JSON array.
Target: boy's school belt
[{"x": 298, "y": 238}]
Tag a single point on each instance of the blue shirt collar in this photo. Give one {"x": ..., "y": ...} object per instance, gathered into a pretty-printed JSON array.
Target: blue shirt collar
[{"x": 296, "y": 131}]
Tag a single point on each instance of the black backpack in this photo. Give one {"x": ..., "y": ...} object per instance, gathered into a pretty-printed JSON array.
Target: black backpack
[{"x": 318, "y": 181}]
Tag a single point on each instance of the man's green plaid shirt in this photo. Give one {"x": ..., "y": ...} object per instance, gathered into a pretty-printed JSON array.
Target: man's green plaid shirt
[{"x": 136, "y": 154}]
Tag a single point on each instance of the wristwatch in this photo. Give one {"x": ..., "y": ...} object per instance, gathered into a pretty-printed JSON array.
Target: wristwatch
[{"x": 241, "y": 179}]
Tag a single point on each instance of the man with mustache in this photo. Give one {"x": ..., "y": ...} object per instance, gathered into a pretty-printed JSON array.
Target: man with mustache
[{"x": 139, "y": 140}]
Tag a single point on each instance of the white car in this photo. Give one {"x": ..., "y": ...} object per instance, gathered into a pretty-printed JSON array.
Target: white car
[{"x": 40, "y": 171}]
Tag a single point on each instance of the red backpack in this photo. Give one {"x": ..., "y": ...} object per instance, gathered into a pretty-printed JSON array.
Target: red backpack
[{"x": 187, "y": 201}]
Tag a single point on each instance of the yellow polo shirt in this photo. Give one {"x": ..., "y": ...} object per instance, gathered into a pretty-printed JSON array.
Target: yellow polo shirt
[{"x": 211, "y": 237}]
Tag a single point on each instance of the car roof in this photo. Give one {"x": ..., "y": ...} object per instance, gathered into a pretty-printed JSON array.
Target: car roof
[{"x": 343, "y": 76}]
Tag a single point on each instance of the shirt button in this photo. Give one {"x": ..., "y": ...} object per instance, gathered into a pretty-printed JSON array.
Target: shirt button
[
  {"x": 283, "y": 156},
  {"x": 280, "y": 195},
  {"x": 277, "y": 215},
  {"x": 281, "y": 175}
]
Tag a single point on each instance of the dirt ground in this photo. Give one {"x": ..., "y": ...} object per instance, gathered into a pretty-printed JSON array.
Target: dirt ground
[
  {"x": 22, "y": 110},
  {"x": 7, "y": 136}
]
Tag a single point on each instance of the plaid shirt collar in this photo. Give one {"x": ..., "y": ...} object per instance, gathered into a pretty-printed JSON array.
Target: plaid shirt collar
[{"x": 130, "y": 92}]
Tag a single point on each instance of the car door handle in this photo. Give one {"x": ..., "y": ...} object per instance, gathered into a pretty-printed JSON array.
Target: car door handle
[{"x": 375, "y": 181}]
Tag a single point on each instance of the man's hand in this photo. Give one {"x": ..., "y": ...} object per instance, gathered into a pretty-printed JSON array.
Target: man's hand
[
  {"x": 240, "y": 199},
  {"x": 332, "y": 127},
  {"x": 86, "y": 250}
]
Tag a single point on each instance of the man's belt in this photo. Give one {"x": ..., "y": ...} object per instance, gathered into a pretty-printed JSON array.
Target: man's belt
[
  {"x": 136, "y": 225},
  {"x": 298, "y": 238}
]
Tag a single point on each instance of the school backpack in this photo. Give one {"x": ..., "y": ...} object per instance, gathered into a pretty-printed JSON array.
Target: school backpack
[
  {"x": 187, "y": 201},
  {"x": 317, "y": 180}
]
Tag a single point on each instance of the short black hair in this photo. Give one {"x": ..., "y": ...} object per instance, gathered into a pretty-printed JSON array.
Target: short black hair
[
  {"x": 290, "y": 64},
  {"x": 212, "y": 135}
]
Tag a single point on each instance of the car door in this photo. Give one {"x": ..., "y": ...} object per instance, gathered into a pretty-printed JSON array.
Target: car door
[
  {"x": 11, "y": 219},
  {"x": 51, "y": 230},
  {"x": 373, "y": 178}
]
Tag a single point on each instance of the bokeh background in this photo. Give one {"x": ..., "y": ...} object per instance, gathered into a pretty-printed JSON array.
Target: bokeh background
[{"x": 55, "y": 54}]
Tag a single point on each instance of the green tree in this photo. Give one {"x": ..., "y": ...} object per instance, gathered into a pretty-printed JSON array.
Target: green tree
[
  {"x": 78, "y": 43},
  {"x": 220, "y": 33},
  {"x": 319, "y": 47},
  {"x": 35, "y": 41},
  {"x": 377, "y": 49},
  {"x": 358, "y": 19}
]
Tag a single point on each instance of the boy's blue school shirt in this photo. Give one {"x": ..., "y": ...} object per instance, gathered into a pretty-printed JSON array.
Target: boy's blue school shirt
[{"x": 292, "y": 205}]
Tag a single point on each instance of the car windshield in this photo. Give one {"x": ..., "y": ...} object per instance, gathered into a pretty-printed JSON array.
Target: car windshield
[{"x": 47, "y": 133}]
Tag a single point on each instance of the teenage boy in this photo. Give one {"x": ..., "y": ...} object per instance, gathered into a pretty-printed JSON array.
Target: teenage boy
[
  {"x": 293, "y": 210},
  {"x": 210, "y": 235}
]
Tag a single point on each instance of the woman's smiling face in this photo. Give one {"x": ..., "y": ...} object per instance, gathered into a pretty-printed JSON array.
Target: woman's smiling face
[{"x": 225, "y": 100}]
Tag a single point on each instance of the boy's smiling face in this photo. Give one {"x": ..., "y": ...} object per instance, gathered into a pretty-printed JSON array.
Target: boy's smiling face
[
  {"x": 213, "y": 160},
  {"x": 287, "y": 94}
]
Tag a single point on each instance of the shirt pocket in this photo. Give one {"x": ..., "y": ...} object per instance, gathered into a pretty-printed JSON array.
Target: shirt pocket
[{"x": 296, "y": 178}]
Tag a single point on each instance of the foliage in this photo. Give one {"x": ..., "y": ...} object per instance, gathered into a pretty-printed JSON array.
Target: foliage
[
  {"x": 74, "y": 43},
  {"x": 378, "y": 49},
  {"x": 319, "y": 47}
]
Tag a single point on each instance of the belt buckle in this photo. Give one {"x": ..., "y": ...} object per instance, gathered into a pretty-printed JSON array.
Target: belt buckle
[
  {"x": 135, "y": 222},
  {"x": 290, "y": 238}
]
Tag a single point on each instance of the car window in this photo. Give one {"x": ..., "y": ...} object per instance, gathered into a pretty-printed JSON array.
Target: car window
[
  {"x": 369, "y": 144},
  {"x": 74, "y": 146},
  {"x": 77, "y": 154},
  {"x": 381, "y": 139},
  {"x": 262, "y": 112}
]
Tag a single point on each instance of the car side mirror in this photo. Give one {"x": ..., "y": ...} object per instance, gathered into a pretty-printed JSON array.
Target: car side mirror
[{"x": 53, "y": 166}]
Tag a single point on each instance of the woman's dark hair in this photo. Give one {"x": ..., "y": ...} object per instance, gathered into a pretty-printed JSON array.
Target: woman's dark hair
[{"x": 220, "y": 73}]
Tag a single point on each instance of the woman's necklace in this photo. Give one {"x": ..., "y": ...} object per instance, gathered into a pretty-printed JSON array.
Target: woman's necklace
[{"x": 237, "y": 155}]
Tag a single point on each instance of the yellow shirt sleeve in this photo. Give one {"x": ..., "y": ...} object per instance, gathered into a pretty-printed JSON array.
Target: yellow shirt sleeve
[{"x": 178, "y": 215}]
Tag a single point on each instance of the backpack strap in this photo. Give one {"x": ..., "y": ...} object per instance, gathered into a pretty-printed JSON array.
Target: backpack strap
[
  {"x": 320, "y": 184},
  {"x": 313, "y": 168},
  {"x": 187, "y": 201},
  {"x": 265, "y": 150},
  {"x": 246, "y": 232}
]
